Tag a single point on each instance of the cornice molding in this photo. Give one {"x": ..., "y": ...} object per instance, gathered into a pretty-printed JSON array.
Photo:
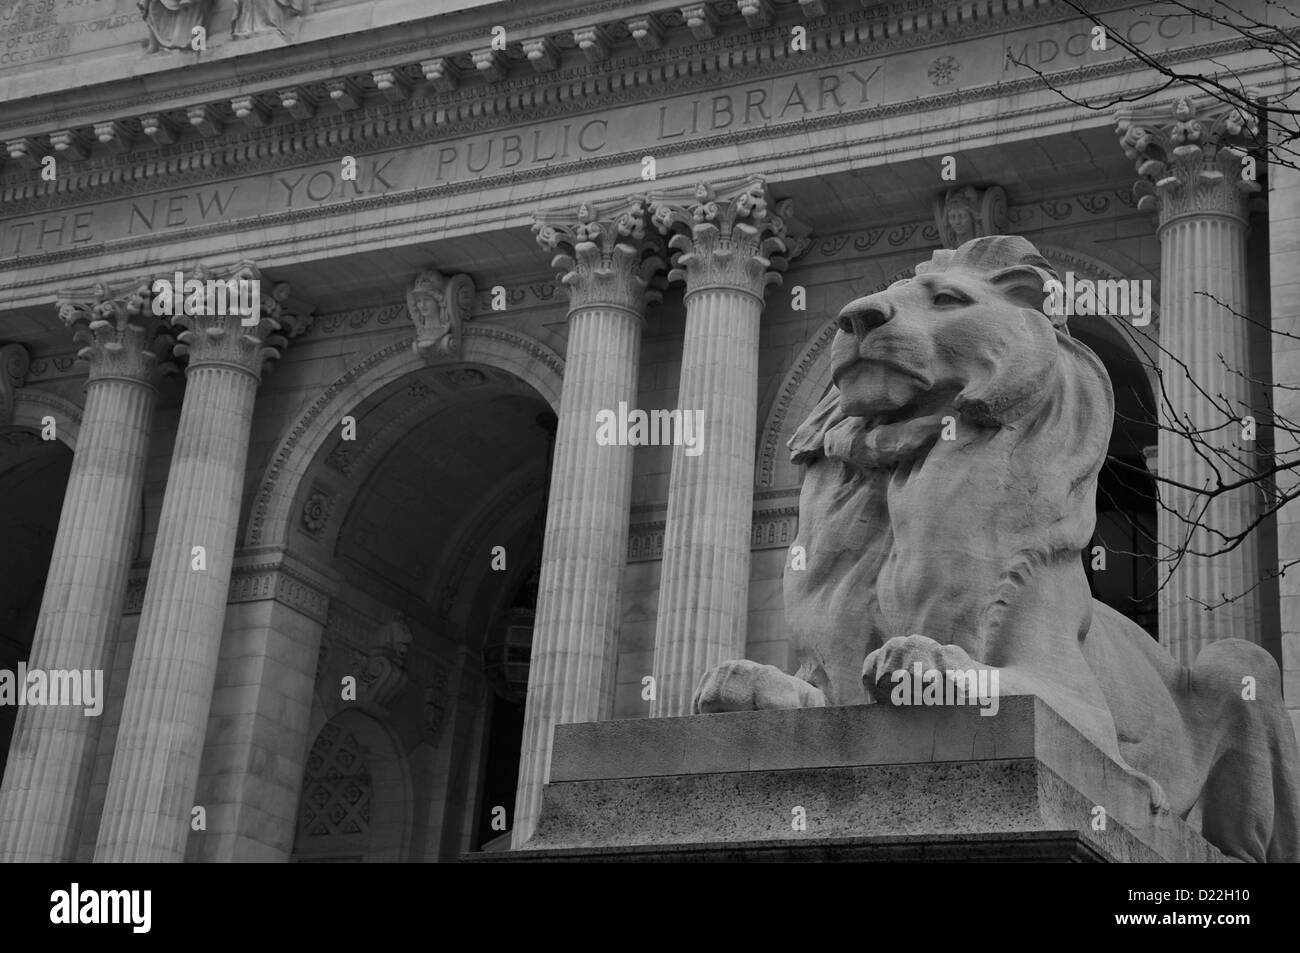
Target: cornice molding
[
  {"x": 1025, "y": 120},
  {"x": 743, "y": 52}
]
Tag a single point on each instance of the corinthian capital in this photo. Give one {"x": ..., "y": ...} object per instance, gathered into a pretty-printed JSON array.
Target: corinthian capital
[
  {"x": 119, "y": 334},
  {"x": 605, "y": 255},
  {"x": 1189, "y": 156},
  {"x": 227, "y": 316},
  {"x": 724, "y": 235}
]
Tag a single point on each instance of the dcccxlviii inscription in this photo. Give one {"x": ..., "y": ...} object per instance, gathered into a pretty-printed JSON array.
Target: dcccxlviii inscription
[{"x": 34, "y": 30}]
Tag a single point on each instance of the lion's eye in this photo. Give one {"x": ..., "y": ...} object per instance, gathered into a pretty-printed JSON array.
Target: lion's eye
[{"x": 950, "y": 297}]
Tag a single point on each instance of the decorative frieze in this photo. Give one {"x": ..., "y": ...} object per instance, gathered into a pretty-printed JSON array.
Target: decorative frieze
[
  {"x": 774, "y": 527},
  {"x": 848, "y": 34}
]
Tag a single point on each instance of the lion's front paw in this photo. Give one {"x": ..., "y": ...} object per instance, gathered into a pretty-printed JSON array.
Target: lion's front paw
[
  {"x": 742, "y": 685},
  {"x": 900, "y": 654}
]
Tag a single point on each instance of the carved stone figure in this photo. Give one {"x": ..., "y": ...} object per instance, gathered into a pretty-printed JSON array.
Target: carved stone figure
[
  {"x": 968, "y": 212},
  {"x": 437, "y": 305},
  {"x": 964, "y": 553},
  {"x": 171, "y": 22},
  {"x": 259, "y": 16}
]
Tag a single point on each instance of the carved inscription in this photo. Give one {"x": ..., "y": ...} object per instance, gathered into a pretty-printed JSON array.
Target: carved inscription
[{"x": 34, "y": 30}]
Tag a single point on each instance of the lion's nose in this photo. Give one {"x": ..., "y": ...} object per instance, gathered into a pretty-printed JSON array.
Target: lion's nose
[{"x": 862, "y": 316}]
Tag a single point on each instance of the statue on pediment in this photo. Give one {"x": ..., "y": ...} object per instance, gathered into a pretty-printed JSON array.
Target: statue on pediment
[
  {"x": 259, "y": 16},
  {"x": 171, "y": 23}
]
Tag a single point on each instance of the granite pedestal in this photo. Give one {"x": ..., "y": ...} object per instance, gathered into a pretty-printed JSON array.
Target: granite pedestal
[{"x": 865, "y": 782}]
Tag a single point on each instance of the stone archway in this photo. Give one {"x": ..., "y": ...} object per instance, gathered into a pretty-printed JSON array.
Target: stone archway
[
  {"x": 503, "y": 348},
  {"x": 448, "y": 462},
  {"x": 33, "y": 480}
]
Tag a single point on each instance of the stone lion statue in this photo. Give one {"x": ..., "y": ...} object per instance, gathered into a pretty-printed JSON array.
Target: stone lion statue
[{"x": 964, "y": 553}]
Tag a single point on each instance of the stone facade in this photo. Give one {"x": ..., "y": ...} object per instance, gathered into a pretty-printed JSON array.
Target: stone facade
[{"x": 335, "y": 676}]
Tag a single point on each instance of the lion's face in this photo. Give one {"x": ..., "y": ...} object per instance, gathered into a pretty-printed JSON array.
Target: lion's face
[{"x": 952, "y": 338}]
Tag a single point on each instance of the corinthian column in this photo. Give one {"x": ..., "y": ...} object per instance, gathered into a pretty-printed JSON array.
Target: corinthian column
[
  {"x": 728, "y": 247},
  {"x": 608, "y": 263},
  {"x": 160, "y": 739},
  {"x": 53, "y": 749},
  {"x": 1191, "y": 173}
]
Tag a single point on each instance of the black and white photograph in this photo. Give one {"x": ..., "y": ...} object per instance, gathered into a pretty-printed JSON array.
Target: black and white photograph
[{"x": 519, "y": 433}]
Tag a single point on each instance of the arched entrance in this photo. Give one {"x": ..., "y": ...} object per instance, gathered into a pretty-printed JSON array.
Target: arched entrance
[
  {"x": 33, "y": 479},
  {"x": 427, "y": 507}
]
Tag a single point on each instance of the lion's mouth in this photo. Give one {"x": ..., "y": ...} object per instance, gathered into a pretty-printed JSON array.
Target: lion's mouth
[{"x": 894, "y": 364}]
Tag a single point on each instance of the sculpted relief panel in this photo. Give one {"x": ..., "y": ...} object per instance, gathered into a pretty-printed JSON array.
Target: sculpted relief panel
[{"x": 32, "y": 31}]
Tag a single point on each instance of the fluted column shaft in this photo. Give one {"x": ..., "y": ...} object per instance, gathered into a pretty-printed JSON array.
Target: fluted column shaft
[
  {"x": 51, "y": 757},
  {"x": 575, "y": 633},
  {"x": 1190, "y": 158},
  {"x": 1205, "y": 254},
  {"x": 155, "y": 769},
  {"x": 723, "y": 241}
]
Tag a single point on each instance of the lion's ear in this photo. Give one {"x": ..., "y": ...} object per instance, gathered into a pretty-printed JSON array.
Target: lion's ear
[{"x": 1027, "y": 286}]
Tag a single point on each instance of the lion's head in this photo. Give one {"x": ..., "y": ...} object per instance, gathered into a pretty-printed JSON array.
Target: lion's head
[{"x": 967, "y": 428}]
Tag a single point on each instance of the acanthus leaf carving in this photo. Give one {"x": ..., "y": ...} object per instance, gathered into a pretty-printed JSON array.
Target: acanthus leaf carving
[
  {"x": 1190, "y": 155},
  {"x": 605, "y": 253}
]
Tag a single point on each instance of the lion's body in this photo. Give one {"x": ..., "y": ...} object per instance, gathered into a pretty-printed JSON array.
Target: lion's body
[{"x": 967, "y": 550}]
